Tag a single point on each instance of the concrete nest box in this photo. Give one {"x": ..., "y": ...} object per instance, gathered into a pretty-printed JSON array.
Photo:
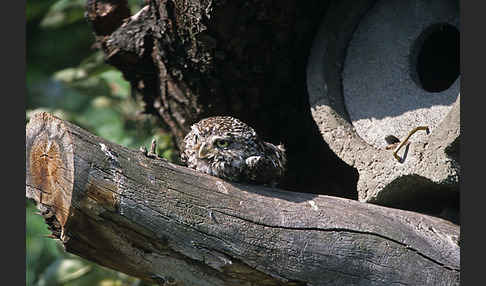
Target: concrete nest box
[{"x": 380, "y": 68}]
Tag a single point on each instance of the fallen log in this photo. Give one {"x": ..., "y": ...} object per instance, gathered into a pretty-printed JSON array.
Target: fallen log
[{"x": 166, "y": 223}]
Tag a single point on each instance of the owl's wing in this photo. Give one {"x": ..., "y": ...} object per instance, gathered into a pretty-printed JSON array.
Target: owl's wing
[{"x": 267, "y": 168}]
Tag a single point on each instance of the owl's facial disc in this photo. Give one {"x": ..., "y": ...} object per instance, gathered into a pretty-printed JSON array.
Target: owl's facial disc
[{"x": 208, "y": 150}]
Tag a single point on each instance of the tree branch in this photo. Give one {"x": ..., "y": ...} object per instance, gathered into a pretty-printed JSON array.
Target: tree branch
[{"x": 162, "y": 222}]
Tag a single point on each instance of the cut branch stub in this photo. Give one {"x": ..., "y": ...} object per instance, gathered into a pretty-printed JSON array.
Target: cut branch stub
[
  {"x": 49, "y": 159},
  {"x": 163, "y": 222}
]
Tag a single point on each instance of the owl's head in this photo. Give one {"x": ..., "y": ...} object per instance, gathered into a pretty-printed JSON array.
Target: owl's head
[
  {"x": 220, "y": 142},
  {"x": 215, "y": 138}
]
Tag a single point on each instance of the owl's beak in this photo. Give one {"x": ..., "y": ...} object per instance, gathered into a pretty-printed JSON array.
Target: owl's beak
[{"x": 205, "y": 151}]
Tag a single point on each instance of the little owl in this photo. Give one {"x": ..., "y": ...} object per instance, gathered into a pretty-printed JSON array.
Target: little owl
[{"x": 225, "y": 147}]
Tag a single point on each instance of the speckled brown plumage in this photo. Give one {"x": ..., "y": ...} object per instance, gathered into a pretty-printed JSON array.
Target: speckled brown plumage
[{"x": 225, "y": 147}]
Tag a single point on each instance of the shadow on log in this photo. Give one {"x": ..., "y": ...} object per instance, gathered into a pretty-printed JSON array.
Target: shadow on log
[{"x": 163, "y": 222}]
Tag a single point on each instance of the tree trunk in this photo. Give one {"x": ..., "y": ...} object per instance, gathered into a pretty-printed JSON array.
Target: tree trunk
[
  {"x": 191, "y": 59},
  {"x": 163, "y": 222}
]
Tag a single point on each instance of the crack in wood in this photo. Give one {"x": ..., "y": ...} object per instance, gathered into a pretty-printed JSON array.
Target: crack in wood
[{"x": 346, "y": 230}]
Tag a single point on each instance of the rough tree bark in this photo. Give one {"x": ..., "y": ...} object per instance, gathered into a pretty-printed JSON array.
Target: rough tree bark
[
  {"x": 167, "y": 223},
  {"x": 194, "y": 58}
]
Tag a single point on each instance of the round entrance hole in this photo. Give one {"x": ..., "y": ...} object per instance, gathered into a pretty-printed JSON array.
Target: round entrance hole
[{"x": 436, "y": 58}]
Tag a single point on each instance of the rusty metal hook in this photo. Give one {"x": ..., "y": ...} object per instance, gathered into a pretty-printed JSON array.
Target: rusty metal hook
[{"x": 393, "y": 141}]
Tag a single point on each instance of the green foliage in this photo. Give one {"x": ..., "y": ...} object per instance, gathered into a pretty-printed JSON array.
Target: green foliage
[
  {"x": 63, "y": 12},
  {"x": 69, "y": 79},
  {"x": 41, "y": 251}
]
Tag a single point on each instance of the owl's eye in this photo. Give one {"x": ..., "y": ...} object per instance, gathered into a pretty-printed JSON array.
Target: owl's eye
[{"x": 222, "y": 143}]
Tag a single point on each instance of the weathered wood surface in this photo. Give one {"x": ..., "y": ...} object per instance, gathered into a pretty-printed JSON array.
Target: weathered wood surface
[{"x": 163, "y": 222}]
